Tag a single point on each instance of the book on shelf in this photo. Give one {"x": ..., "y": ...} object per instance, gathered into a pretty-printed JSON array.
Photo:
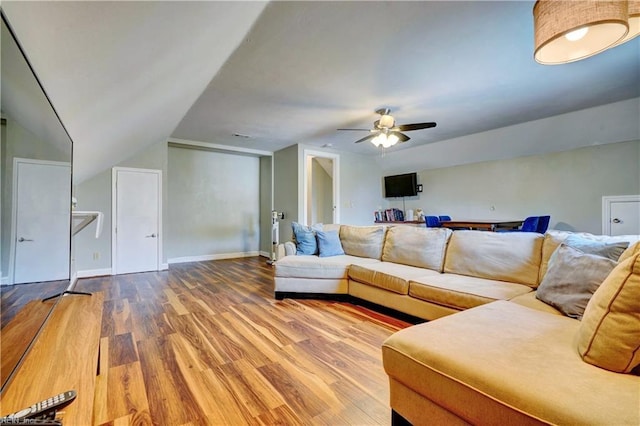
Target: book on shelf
[{"x": 389, "y": 215}]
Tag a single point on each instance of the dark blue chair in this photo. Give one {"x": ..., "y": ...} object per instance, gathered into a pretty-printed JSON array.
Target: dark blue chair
[
  {"x": 444, "y": 218},
  {"x": 543, "y": 224},
  {"x": 530, "y": 224},
  {"x": 432, "y": 221}
]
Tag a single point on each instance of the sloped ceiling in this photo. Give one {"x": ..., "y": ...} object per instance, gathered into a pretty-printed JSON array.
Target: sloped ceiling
[{"x": 124, "y": 75}]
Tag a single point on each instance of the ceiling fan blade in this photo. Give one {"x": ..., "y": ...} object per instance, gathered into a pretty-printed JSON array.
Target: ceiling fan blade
[
  {"x": 415, "y": 126},
  {"x": 401, "y": 136},
  {"x": 366, "y": 138}
]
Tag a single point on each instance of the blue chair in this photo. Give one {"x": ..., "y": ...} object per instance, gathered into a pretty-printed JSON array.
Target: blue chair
[
  {"x": 530, "y": 224},
  {"x": 543, "y": 224},
  {"x": 432, "y": 221},
  {"x": 444, "y": 218}
]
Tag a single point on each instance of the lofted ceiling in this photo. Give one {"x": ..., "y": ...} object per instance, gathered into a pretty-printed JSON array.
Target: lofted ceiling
[{"x": 125, "y": 75}]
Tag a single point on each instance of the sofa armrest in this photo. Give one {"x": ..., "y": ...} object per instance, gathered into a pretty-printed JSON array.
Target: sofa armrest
[{"x": 285, "y": 249}]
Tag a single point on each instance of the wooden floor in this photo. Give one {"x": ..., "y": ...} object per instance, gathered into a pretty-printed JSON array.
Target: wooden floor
[{"x": 206, "y": 343}]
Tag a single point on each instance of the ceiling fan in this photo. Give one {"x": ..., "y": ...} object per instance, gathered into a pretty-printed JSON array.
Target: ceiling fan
[{"x": 385, "y": 133}]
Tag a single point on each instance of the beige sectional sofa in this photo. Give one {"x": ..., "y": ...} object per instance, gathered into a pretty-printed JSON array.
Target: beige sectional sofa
[{"x": 505, "y": 357}]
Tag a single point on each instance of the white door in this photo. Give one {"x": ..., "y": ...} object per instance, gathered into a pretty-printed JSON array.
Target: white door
[
  {"x": 625, "y": 218},
  {"x": 137, "y": 213},
  {"x": 42, "y": 224},
  {"x": 621, "y": 215}
]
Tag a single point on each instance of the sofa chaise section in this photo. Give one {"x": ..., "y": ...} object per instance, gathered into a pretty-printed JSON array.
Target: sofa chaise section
[{"x": 485, "y": 366}]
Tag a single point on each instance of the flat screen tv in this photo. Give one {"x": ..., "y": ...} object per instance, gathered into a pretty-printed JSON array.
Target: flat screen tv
[{"x": 405, "y": 185}]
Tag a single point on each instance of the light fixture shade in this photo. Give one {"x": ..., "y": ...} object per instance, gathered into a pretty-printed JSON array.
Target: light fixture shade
[
  {"x": 634, "y": 21},
  {"x": 606, "y": 22}
]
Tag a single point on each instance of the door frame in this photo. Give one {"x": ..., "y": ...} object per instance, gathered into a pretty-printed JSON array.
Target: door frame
[
  {"x": 308, "y": 154},
  {"x": 114, "y": 214},
  {"x": 607, "y": 200},
  {"x": 14, "y": 209}
]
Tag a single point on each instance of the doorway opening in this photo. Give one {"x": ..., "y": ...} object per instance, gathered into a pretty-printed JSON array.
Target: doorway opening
[{"x": 321, "y": 187}]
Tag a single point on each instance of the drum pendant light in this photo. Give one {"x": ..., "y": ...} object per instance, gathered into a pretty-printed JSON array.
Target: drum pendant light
[
  {"x": 634, "y": 21},
  {"x": 567, "y": 31}
]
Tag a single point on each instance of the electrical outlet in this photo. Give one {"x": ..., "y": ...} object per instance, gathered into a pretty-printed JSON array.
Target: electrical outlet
[{"x": 96, "y": 255}]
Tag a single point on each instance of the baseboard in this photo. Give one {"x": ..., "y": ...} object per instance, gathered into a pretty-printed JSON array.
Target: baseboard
[
  {"x": 164, "y": 266},
  {"x": 4, "y": 280},
  {"x": 265, "y": 254},
  {"x": 88, "y": 273},
  {"x": 203, "y": 258}
]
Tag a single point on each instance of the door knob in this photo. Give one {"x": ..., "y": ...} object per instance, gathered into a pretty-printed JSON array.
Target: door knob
[
  {"x": 151, "y": 236},
  {"x": 22, "y": 239},
  {"x": 616, "y": 220}
]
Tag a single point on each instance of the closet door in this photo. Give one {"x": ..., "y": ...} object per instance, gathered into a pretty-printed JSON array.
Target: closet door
[{"x": 137, "y": 218}]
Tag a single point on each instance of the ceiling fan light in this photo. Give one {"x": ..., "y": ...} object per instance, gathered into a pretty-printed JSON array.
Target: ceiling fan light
[
  {"x": 553, "y": 20},
  {"x": 378, "y": 140},
  {"x": 392, "y": 139}
]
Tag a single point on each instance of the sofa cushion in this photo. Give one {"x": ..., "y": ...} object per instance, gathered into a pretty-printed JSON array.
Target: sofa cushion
[
  {"x": 531, "y": 301},
  {"x": 461, "y": 291},
  {"x": 422, "y": 247},
  {"x": 329, "y": 243},
  {"x": 486, "y": 361},
  {"x": 317, "y": 267},
  {"x": 609, "y": 334},
  {"x": 389, "y": 276},
  {"x": 553, "y": 238},
  {"x": 363, "y": 241},
  {"x": 572, "y": 278},
  {"x": 504, "y": 256}
]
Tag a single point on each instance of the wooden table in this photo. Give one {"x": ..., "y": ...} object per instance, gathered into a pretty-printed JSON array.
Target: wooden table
[{"x": 483, "y": 225}]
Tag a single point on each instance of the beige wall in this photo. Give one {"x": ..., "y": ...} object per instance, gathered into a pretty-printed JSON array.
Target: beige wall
[{"x": 567, "y": 185}]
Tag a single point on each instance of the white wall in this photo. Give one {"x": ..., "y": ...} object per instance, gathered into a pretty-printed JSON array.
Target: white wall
[
  {"x": 214, "y": 209},
  {"x": 567, "y": 185}
]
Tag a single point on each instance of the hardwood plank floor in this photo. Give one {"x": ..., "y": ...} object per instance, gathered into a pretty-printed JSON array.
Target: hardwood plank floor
[{"x": 206, "y": 343}]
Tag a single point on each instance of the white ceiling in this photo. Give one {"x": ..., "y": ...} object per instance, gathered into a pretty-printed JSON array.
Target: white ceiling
[{"x": 124, "y": 75}]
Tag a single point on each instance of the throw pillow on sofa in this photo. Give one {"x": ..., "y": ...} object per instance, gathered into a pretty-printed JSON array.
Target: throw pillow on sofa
[
  {"x": 609, "y": 333},
  {"x": 305, "y": 238},
  {"x": 329, "y": 243},
  {"x": 611, "y": 250},
  {"x": 572, "y": 278}
]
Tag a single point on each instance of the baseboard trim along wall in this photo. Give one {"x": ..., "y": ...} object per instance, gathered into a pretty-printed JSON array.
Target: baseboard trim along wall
[
  {"x": 88, "y": 273},
  {"x": 206, "y": 257}
]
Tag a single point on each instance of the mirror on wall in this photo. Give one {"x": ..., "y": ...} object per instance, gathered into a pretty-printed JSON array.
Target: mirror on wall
[{"x": 35, "y": 196}]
